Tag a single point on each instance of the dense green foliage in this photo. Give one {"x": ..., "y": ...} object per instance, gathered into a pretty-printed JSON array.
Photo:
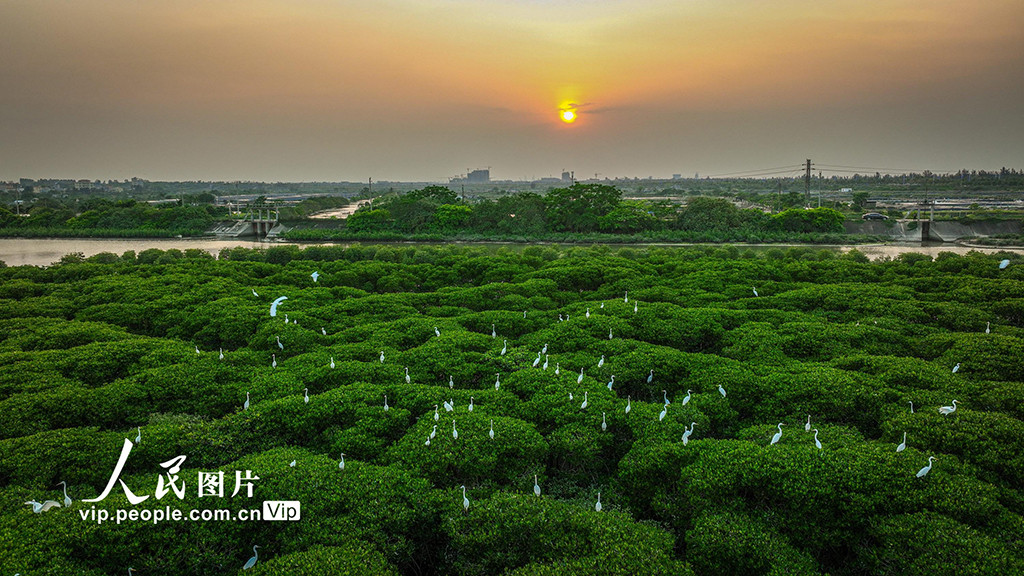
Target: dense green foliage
[
  {"x": 99, "y": 217},
  {"x": 91, "y": 349}
]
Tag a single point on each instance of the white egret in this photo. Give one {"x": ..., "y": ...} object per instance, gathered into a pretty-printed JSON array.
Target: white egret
[
  {"x": 386, "y": 407},
  {"x": 601, "y": 361},
  {"x": 332, "y": 361},
  {"x": 602, "y": 304},
  {"x": 1004, "y": 264},
  {"x": 254, "y": 293},
  {"x": 721, "y": 390},
  {"x": 138, "y": 439},
  {"x": 504, "y": 347},
  {"x": 536, "y": 487},
  {"x": 597, "y": 507},
  {"x": 924, "y": 471},
  {"x": 448, "y": 407},
  {"x": 604, "y": 423},
  {"x": 560, "y": 318},
  {"x": 664, "y": 412},
  {"x": 650, "y": 376},
  {"x": 755, "y": 292},
  {"x": 427, "y": 443},
  {"x": 407, "y": 379},
  {"x": 629, "y": 404},
  {"x": 436, "y": 415},
  {"x": 437, "y": 332},
  {"x": 451, "y": 382},
  {"x": 433, "y": 432},
  {"x": 987, "y": 330},
  {"x": 381, "y": 356},
  {"x": 948, "y": 409},
  {"x": 610, "y": 382},
  {"x": 197, "y": 350},
  {"x": 470, "y": 403},
  {"x": 626, "y": 297},
  {"x": 903, "y": 445},
  {"x": 67, "y": 499},
  {"x": 687, "y": 433},
  {"x": 911, "y": 402},
  {"x": 956, "y": 368},
  {"x": 292, "y": 463},
  {"x": 315, "y": 275},
  {"x": 816, "y": 442},
  {"x": 580, "y": 379},
  {"x": 273, "y": 360},
  {"x": 493, "y": 333},
  {"x": 491, "y": 432},
  {"x": 246, "y": 405},
  {"x": 524, "y": 313},
  {"x": 558, "y": 369},
  {"x": 544, "y": 350},
  {"x": 545, "y": 366},
  {"x": 497, "y": 380},
  {"x": 610, "y": 334},
  {"x": 341, "y": 465},
  {"x": 570, "y": 396},
  {"x": 221, "y": 353},
  {"x": 322, "y": 331},
  {"x": 39, "y": 507},
  {"x": 686, "y": 400},
  {"x": 585, "y": 402},
  {"x": 665, "y": 395},
  {"x": 465, "y": 501},
  {"x": 286, "y": 318},
  {"x": 634, "y": 307},
  {"x": 305, "y": 394},
  {"x": 273, "y": 305},
  {"x": 252, "y": 561},
  {"x": 130, "y": 570},
  {"x": 588, "y": 312},
  {"x": 537, "y": 361},
  {"x": 778, "y": 435},
  {"x": 455, "y": 433},
  {"x": 807, "y": 426}
]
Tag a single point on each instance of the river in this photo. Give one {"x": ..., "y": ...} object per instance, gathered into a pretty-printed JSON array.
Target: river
[{"x": 46, "y": 251}]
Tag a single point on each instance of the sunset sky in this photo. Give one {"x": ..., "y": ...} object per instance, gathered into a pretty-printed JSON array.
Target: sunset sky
[{"x": 421, "y": 90}]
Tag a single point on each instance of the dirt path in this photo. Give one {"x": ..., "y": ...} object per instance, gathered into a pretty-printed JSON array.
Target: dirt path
[{"x": 342, "y": 213}]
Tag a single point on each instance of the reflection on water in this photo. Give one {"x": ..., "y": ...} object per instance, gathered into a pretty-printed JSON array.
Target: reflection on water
[{"x": 44, "y": 251}]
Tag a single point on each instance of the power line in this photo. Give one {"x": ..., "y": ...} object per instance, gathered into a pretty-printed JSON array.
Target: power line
[{"x": 737, "y": 174}]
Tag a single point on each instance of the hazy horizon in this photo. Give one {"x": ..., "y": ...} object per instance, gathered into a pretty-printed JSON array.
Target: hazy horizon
[{"x": 418, "y": 90}]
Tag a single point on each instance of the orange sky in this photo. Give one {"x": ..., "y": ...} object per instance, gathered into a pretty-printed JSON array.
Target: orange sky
[{"x": 422, "y": 90}]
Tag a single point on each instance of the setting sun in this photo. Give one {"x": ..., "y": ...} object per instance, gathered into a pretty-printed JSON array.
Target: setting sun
[{"x": 568, "y": 116}]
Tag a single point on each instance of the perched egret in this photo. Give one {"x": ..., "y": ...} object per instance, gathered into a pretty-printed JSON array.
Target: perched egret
[
  {"x": 252, "y": 561},
  {"x": 664, "y": 412},
  {"x": 634, "y": 307},
  {"x": 956, "y": 368},
  {"x": 434, "y": 431},
  {"x": 381, "y": 356},
  {"x": 686, "y": 433},
  {"x": 436, "y": 415},
  {"x": 305, "y": 394},
  {"x": 491, "y": 431},
  {"x": 437, "y": 332},
  {"x": 332, "y": 361},
  {"x": 558, "y": 369},
  {"x": 292, "y": 463},
  {"x": 455, "y": 433},
  {"x": 504, "y": 347},
  {"x": 524, "y": 313},
  {"x": 924, "y": 471},
  {"x": 537, "y": 361},
  {"x": 545, "y": 366},
  {"x": 465, "y": 501},
  {"x": 626, "y": 297},
  {"x": 987, "y": 330},
  {"x": 665, "y": 396},
  {"x": 560, "y": 318},
  {"x": 254, "y": 292},
  {"x": 597, "y": 507},
  {"x": 604, "y": 423},
  {"x": 570, "y": 396},
  {"x": 602, "y": 304},
  {"x": 497, "y": 380},
  {"x": 38, "y": 507},
  {"x": 816, "y": 442},
  {"x": 588, "y": 312},
  {"x": 755, "y": 292},
  {"x": 315, "y": 275},
  {"x": 386, "y": 407},
  {"x": 544, "y": 350},
  {"x": 721, "y": 390},
  {"x": 807, "y": 426},
  {"x": 451, "y": 382},
  {"x": 273, "y": 305},
  {"x": 650, "y": 376},
  {"x": 903, "y": 445},
  {"x": 778, "y": 435},
  {"x": 448, "y": 407},
  {"x": 67, "y": 499},
  {"x": 911, "y": 402},
  {"x": 948, "y": 409},
  {"x": 580, "y": 379},
  {"x": 341, "y": 465},
  {"x": 601, "y": 361},
  {"x": 610, "y": 382},
  {"x": 221, "y": 353},
  {"x": 585, "y": 402},
  {"x": 279, "y": 345},
  {"x": 273, "y": 360},
  {"x": 493, "y": 333},
  {"x": 197, "y": 350},
  {"x": 536, "y": 487},
  {"x": 470, "y": 403},
  {"x": 427, "y": 443},
  {"x": 610, "y": 334},
  {"x": 246, "y": 405},
  {"x": 1004, "y": 264},
  {"x": 286, "y": 318},
  {"x": 322, "y": 331},
  {"x": 686, "y": 400},
  {"x": 138, "y": 439},
  {"x": 629, "y": 404},
  {"x": 407, "y": 378}
]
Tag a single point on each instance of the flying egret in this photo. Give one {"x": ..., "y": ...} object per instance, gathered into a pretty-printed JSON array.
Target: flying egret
[
  {"x": 246, "y": 405},
  {"x": 629, "y": 404},
  {"x": 924, "y": 471},
  {"x": 470, "y": 403},
  {"x": 504, "y": 347},
  {"x": 322, "y": 331},
  {"x": 816, "y": 442},
  {"x": 279, "y": 345},
  {"x": 580, "y": 379},
  {"x": 807, "y": 426},
  {"x": 407, "y": 379},
  {"x": 650, "y": 376},
  {"x": 665, "y": 395},
  {"x": 497, "y": 380},
  {"x": 381, "y": 356},
  {"x": 755, "y": 292},
  {"x": 448, "y": 407},
  {"x": 197, "y": 350},
  {"x": 948, "y": 409},
  {"x": 292, "y": 463},
  {"x": 386, "y": 407},
  {"x": 455, "y": 433},
  {"x": 332, "y": 361},
  {"x": 315, "y": 275},
  {"x": 465, "y": 501},
  {"x": 221, "y": 353},
  {"x": 664, "y": 411},
  {"x": 437, "y": 332},
  {"x": 601, "y": 361},
  {"x": 1004, "y": 264},
  {"x": 956, "y": 368},
  {"x": 436, "y": 415},
  {"x": 903, "y": 445},
  {"x": 341, "y": 465},
  {"x": 610, "y": 382},
  {"x": 987, "y": 330},
  {"x": 491, "y": 432},
  {"x": 544, "y": 350},
  {"x": 558, "y": 369},
  {"x": 138, "y": 439},
  {"x": 451, "y": 382},
  {"x": 545, "y": 366},
  {"x": 273, "y": 360},
  {"x": 305, "y": 395},
  {"x": 686, "y": 400},
  {"x": 686, "y": 433},
  {"x": 911, "y": 402},
  {"x": 604, "y": 423},
  {"x": 585, "y": 402},
  {"x": 254, "y": 292},
  {"x": 588, "y": 312},
  {"x": 609, "y": 333},
  {"x": 252, "y": 561},
  {"x": 273, "y": 305},
  {"x": 537, "y": 361},
  {"x": 39, "y": 507},
  {"x": 597, "y": 507},
  {"x": 67, "y": 499},
  {"x": 721, "y": 390},
  {"x": 778, "y": 435},
  {"x": 626, "y": 297},
  {"x": 536, "y": 487}
]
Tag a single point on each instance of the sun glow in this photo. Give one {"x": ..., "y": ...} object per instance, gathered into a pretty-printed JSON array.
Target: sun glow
[{"x": 568, "y": 116}]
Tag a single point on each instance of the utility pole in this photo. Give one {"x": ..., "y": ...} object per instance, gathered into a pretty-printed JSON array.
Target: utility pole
[
  {"x": 807, "y": 183},
  {"x": 369, "y": 190}
]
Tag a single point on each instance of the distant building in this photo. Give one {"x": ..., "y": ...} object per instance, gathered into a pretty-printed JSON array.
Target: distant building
[
  {"x": 677, "y": 176},
  {"x": 846, "y": 189},
  {"x": 479, "y": 176},
  {"x": 566, "y": 177}
]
